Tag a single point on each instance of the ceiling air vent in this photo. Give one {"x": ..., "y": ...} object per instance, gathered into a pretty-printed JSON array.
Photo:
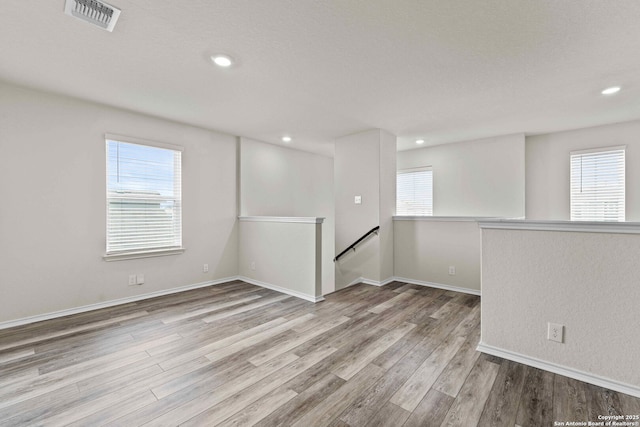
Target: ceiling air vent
[{"x": 95, "y": 12}]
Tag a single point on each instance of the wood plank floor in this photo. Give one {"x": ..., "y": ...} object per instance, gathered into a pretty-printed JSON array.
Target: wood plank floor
[{"x": 236, "y": 354}]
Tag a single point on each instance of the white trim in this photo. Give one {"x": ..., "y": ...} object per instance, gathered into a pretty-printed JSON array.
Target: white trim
[
  {"x": 574, "y": 226},
  {"x": 355, "y": 281},
  {"x": 311, "y": 298},
  {"x": 106, "y": 304},
  {"x": 444, "y": 218},
  {"x": 127, "y": 300},
  {"x": 414, "y": 282},
  {"x": 142, "y": 254},
  {"x": 297, "y": 219},
  {"x": 561, "y": 370},
  {"x": 598, "y": 150},
  {"x": 438, "y": 286},
  {"x": 389, "y": 280},
  {"x": 369, "y": 281},
  {"x": 140, "y": 141},
  {"x": 418, "y": 169}
]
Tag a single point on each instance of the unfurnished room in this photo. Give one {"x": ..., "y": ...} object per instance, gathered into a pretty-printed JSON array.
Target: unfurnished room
[{"x": 319, "y": 213}]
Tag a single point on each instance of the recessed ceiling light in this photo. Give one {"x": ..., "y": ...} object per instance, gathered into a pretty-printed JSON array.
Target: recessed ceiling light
[
  {"x": 286, "y": 139},
  {"x": 222, "y": 60},
  {"x": 420, "y": 141},
  {"x": 611, "y": 90}
]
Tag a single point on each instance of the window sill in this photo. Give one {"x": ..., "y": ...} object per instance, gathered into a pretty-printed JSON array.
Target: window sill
[{"x": 122, "y": 256}]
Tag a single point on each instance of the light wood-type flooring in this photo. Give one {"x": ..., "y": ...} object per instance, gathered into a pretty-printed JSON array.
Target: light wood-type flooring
[{"x": 236, "y": 354}]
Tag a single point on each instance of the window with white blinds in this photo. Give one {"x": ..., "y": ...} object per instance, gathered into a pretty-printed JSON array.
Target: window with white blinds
[
  {"x": 144, "y": 202},
  {"x": 414, "y": 192},
  {"x": 598, "y": 185}
]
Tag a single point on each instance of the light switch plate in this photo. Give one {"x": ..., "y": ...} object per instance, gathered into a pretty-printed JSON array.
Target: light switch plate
[{"x": 357, "y": 200}]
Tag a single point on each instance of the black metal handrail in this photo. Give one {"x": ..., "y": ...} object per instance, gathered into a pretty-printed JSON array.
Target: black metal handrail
[{"x": 354, "y": 244}]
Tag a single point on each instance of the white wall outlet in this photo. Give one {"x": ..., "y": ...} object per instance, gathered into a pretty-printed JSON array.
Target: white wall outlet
[
  {"x": 133, "y": 280},
  {"x": 555, "y": 332},
  {"x": 253, "y": 265},
  {"x": 452, "y": 270},
  {"x": 205, "y": 268},
  {"x": 139, "y": 279},
  {"x": 357, "y": 200}
]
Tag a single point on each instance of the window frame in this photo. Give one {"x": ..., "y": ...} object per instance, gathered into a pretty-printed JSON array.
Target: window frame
[
  {"x": 572, "y": 200},
  {"x": 142, "y": 252},
  {"x": 414, "y": 170}
]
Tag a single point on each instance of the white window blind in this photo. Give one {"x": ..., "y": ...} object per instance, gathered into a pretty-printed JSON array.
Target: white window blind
[
  {"x": 414, "y": 192},
  {"x": 598, "y": 185},
  {"x": 143, "y": 197}
]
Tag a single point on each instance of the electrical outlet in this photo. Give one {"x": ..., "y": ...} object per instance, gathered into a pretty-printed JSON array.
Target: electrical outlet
[
  {"x": 205, "y": 268},
  {"x": 253, "y": 265},
  {"x": 452, "y": 270},
  {"x": 139, "y": 279},
  {"x": 132, "y": 280},
  {"x": 555, "y": 332},
  {"x": 357, "y": 200}
]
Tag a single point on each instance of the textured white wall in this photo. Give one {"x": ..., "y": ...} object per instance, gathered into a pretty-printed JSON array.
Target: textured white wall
[
  {"x": 547, "y": 161},
  {"x": 285, "y": 255},
  {"x": 424, "y": 250},
  {"x": 474, "y": 178},
  {"x": 280, "y": 181},
  {"x": 588, "y": 282},
  {"x": 53, "y": 211}
]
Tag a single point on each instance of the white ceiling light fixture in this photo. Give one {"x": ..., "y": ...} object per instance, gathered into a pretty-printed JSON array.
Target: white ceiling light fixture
[
  {"x": 420, "y": 141},
  {"x": 286, "y": 139},
  {"x": 611, "y": 90},
  {"x": 221, "y": 60},
  {"x": 95, "y": 12}
]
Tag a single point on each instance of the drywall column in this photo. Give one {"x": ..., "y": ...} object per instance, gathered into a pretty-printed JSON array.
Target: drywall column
[{"x": 365, "y": 167}]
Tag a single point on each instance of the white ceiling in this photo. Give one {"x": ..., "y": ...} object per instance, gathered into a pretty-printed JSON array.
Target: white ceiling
[{"x": 440, "y": 70}]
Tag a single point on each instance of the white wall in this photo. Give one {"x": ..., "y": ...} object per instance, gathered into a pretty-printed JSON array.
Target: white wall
[
  {"x": 53, "y": 211},
  {"x": 364, "y": 165},
  {"x": 425, "y": 248},
  {"x": 482, "y": 178},
  {"x": 587, "y": 282},
  {"x": 474, "y": 178},
  {"x": 547, "y": 167},
  {"x": 280, "y": 181},
  {"x": 287, "y": 256}
]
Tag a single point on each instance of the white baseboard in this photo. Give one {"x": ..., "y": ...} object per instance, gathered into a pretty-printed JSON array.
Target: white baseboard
[
  {"x": 437, "y": 285},
  {"x": 121, "y": 301},
  {"x": 413, "y": 282},
  {"x": 384, "y": 282},
  {"x": 311, "y": 298},
  {"x": 629, "y": 389},
  {"x": 355, "y": 282},
  {"x": 107, "y": 304},
  {"x": 370, "y": 281}
]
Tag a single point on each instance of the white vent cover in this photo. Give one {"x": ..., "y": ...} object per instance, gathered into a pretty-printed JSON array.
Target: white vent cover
[{"x": 95, "y": 12}]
